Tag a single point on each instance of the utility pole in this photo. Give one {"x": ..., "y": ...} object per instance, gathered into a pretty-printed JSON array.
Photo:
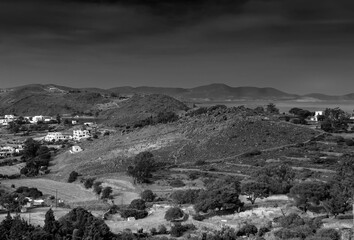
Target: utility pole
[{"x": 56, "y": 198}]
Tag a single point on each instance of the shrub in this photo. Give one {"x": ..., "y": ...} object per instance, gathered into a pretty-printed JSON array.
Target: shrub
[
  {"x": 147, "y": 195},
  {"x": 153, "y": 231},
  {"x": 162, "y": 229},
  {"x": 106, "y": 193},
  {"x": 178, "y": 229},
  {"x": 247, "y": 230},
  {"x": 185, "y": 196},
  {"x": 177, "y": 183},
  {"x": 89, "y": 182},
  {"x": 290, "y": 221},
  {"x": 173, "y": 214},
  {"x": 97, "y": 188},
  {"x": 263, "y": 230},
  {"x": 198, "y": 217},
  {"x": 138, "y": 204},
  {"x": 252, "y": 153},
  {"x": 200, "y": 163},
  {"x": 349, "y": 142},
  {"x": 329, "y": 233},
  {"x": 73, "y": 176}
]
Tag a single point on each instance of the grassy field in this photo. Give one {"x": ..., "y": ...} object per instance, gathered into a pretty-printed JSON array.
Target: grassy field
[
  {"x": 69, "y": 192},
  {"x": 11, "y": 170}
]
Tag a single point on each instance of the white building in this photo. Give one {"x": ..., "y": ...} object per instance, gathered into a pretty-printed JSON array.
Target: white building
[
  {"x": 81, "y": 134},
  {"x": 47, "y": 119},
  {"x": 4, "y": 122},
  {"x": 6, "y": 151},
  {"x": 36, "y": 119},
  {"x": 54, "y": 136},
  {"x": 10, "y": 118},
  {"x": 316, "y": 116},
  {"x": 76, "y": 149}
]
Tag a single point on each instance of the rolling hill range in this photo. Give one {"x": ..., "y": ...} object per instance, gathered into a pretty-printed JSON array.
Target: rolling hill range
[
  {"x": 222, "y": 92},
  {"x": 212, "y": 92},
  {"x": 112, "y": 103}
]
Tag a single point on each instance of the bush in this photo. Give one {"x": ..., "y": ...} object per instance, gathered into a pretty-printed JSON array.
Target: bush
[
  {"x": 177, "y": 183},
  {"x": 263, "y": 230},
  {"x": 162, "y": 229},
  {"x": 97, "y": 188},
  {"x": 329, "y": 233},
  {"x": 138, "y": 204},
  {"x": 178, "y": 229},
  {"x": 252, "y": 153},
  {"x": 153, "y": 231},
  {"x": 185, "y": 196},
  {"x": 247, "y": 230},
  {"x": 73, "y": 176},
  {"x": 147, "y": 195},
  {"x": 173, "y": 214},
  {"x": 200, "y": 163},
  {"x": 106, "y": 193},
  {"x": 290, "y": 221},
  {"x": 349, "y": 142},
  {"x": 198, "y": 217},
  {"x": 89, "y": 182}
]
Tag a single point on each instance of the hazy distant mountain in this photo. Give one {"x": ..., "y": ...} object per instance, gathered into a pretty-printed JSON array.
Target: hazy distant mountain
[
  {"x": 212, "y": 92},
  {"x": 51, "y": 99}
]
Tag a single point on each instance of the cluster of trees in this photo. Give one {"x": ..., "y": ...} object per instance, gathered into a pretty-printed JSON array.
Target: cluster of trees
[
  {"x": 36, "y": 156},
  {"x": 335, "y": 120},
  {"x": 295, "y": 227},
  {"x": 13, "y": 201},
  {"x": 334, "y": 196}
]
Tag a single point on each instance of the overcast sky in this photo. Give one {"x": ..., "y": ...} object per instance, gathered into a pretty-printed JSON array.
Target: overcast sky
[{"x": 298, "y": 46}]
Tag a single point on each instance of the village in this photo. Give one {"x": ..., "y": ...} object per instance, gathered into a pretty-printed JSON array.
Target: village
[{"x": 73, "y": 131}]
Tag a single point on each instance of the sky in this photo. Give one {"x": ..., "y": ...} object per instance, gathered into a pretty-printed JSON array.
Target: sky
[{"x": 297, "y": 46}]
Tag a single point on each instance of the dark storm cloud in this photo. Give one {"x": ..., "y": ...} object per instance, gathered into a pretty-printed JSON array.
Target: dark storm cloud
[{"x": 186, "y": 42}]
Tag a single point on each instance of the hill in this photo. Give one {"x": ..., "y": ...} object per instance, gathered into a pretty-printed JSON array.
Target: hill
[
  {"x": 211, "y": 92},
  {"x": 140, "y": 107},
  {"x": 49, "y": 100},
  {"x": 219, "y": 133}
]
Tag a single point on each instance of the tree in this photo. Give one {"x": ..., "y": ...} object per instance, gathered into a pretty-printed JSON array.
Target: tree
[
  {"x": 73, "y": 176},
  {"x": 147, "y": 195},
  {"x": 106, "y": 192},
  {"x": 221, "y": 194},
  {"x": 307, "y": 193},
  {"x": 58, "y": 118},
  {"x": 97, "y": 188},
  {"x": 272, "y": 109},
  {"x": 254, "y": 190},
  {"x": 174, "y": 214},
  {"x": 138, "y": 204},
  {"x": 30, "y": 148},
  {"x": 278, "y": 177},
  {"x": 185, "y": 196},
  {"x": 50, "y": 224},
  {"x": 143, "y": 166},
  {"x": 335, "y": 119}
]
